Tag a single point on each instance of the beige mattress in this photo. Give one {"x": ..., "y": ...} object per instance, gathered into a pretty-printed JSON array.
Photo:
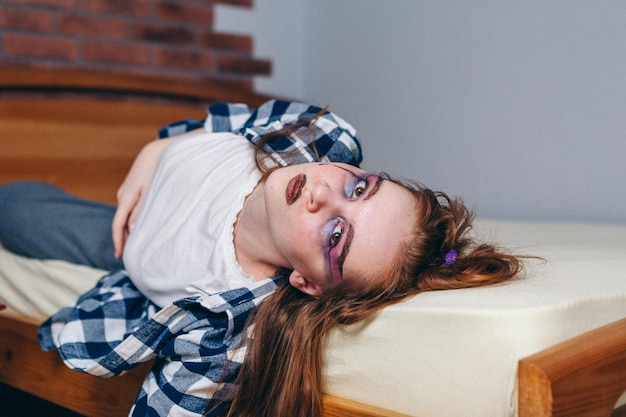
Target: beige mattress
[
  {"x": 39, "y": 289},
  {"x": 447, "y": 353}
]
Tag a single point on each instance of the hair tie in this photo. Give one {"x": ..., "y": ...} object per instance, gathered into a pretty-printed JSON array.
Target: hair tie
[{"x": 450, "y": 258}]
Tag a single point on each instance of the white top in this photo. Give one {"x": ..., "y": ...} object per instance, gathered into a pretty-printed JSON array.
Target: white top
[{"x": 182, "y": 242}]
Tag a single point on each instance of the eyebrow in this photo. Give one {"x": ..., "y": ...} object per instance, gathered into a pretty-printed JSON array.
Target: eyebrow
[
  {"x": 346, "y": 246},
  {"x": 345, "y": 250},
  {"x": 375, "y": 188}
]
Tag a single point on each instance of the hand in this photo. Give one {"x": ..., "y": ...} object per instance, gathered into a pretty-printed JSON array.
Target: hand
[{"x": 132, "y": 192}]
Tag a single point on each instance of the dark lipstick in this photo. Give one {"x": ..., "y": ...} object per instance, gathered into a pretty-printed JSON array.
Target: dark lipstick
[{"x": 294, "y": 188}]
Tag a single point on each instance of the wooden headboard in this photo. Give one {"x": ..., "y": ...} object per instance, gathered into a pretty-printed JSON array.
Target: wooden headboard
[{"x": 90, "y": 125}]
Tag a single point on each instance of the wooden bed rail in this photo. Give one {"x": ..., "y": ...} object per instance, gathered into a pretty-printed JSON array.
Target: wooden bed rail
[
  {"x": 582, "y": 377},
  {"x": 28, "y": 78},
  {"x": 25, "y": 367}
]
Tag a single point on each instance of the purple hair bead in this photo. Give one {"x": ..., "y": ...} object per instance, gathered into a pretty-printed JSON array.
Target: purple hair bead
[{"x": 450, "y": 258}]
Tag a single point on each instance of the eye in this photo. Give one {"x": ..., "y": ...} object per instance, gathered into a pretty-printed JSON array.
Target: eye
[
  {"x": 335, "y": 235},
  {"x": 360, "y": 188}
]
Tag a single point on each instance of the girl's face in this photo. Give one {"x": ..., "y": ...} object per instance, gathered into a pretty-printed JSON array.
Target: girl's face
[{"x": 334, "y": 221}]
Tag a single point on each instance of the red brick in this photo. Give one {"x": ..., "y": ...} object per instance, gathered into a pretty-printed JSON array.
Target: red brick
[
  {"x": 53, "y": 4},
  {"x": 181, "y": 59},
  {"x": 226, "y": 41},
  {"x": 168, "y": 37},
  {"x": 32, "y": 20},
  {"x": 122, "y": 7},
  {"x": 250, "y": 66},
  {"x": 183, "y": 12},
  {"x": 163, "y": 34},
  {"x": 115, "y": 53},
  {"x": 92, "y": 26},
  {"x": 39, "y": 46}
]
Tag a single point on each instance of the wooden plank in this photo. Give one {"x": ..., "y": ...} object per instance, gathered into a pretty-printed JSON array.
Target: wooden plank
[
  {"x": 84, "y": 129},
  {"x": 582, "y": 377},
  {"x": 24, "y": 366},
  {"x": 340, "y": 407},
  {"x": 28, "y": 77},
  {"x": 86, "y": 147},
  {"x": 92, "y": 111},
  {"x": 74, "y": 176}
]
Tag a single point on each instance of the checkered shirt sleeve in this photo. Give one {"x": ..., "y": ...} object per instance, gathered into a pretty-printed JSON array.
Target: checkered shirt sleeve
[
  {"x": 330, "y": 138},
  {"x": 195, "y": 343}
]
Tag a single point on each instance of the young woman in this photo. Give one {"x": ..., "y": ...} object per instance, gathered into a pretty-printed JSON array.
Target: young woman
[{"x": 204, "y": 219}]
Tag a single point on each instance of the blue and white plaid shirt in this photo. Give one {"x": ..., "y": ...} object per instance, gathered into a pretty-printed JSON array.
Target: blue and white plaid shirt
[{"x": 196, "y": 342}]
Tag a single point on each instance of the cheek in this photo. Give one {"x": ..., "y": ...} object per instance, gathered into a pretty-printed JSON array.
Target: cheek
[
  {"x": 303, "y": 243},
  {"x": 294, "y": 236},
  {"x": 303, "y": 236}
]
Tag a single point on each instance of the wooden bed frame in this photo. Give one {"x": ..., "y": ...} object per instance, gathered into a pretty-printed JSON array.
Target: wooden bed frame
[{"x": 71, "y": 128}]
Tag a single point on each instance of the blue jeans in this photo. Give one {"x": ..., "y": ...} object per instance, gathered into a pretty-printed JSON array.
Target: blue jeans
[{"x": 39, "y": 220}]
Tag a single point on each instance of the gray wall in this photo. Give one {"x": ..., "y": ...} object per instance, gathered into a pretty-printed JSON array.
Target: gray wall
[{"x": 519, "y": 107}]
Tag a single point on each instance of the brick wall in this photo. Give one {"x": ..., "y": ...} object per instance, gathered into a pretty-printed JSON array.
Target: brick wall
[{"x": 165, "y": 37}]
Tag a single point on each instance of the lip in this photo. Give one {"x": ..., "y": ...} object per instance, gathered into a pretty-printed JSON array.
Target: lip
[{"x": 294, "y": 188}]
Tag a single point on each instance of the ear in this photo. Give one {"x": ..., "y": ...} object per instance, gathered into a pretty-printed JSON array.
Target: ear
[{"x": 302, "y": 283}]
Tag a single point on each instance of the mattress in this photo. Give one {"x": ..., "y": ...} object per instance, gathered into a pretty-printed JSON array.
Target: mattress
[
  {"x": 446, "y": 353},
  {"x": 39, "y": 288},
  {"x": 455, "y": 353}
]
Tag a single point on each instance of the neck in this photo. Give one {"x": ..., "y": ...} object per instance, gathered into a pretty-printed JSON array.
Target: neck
[{"x": 254, "y": 248}]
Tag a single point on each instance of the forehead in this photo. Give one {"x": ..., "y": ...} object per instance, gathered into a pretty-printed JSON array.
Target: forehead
[{"x": 381, "y": 226}]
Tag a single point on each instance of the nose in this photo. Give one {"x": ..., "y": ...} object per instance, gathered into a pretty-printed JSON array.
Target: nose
[{"x": 320, "y": 196}]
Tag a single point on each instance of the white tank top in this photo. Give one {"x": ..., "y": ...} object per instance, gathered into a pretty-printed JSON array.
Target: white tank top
[{"x": 182, "y": 242}]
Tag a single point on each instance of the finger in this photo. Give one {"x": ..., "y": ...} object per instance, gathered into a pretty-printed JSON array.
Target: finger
[
  {"x": 133, "y": 215},
  {"x": 118, "y": 228}
]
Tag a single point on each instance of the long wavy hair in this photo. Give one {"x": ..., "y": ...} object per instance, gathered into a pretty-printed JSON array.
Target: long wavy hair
[{"x": 281, "y": 373}]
